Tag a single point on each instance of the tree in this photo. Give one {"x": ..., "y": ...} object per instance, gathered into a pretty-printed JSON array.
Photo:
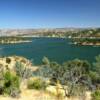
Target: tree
[
  {"x": 76, "y": 77},
  {"x": 97, "y": 64},
  {"x": 22, "y": 71},
  {"x": 72, "y": 75},
  {"x": 96, "y": 72}
]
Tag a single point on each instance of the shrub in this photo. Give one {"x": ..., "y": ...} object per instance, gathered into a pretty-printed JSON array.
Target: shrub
[
  {"x": 23, "y": 60},
  {"x": 45, "y": 61},
  {"x": 94, "y": 77},
  {"x": 8, "y": 60},
  {"x": 22, "y": 71},
  {"x": 11, "y": 84},
  {"x": 72, "y": 75},
  {"x": 1, "y": 86},
  {"x": 37, "y": 83},
  {"x": 96, "y": 95}
]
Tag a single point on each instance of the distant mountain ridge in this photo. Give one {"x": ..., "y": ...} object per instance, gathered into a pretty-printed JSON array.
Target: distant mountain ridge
[{"x": 15, "y": 32}]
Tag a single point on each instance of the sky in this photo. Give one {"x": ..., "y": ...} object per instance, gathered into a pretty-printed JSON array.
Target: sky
[{"x": 49, "y": 13}]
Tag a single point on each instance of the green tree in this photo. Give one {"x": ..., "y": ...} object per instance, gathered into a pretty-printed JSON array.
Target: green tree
[
  {"x": 97, "y": 65},
  {"x": 96, "y": 95},
  {"x": 95, "y": 75},
  {"x": 73, "y": 75},
  {"x": 76, "y": 76}
]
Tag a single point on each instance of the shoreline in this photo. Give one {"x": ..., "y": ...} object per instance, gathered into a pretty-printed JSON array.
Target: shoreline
[
  {"x": 15, "y": 42},
  {"x": 75, "y": 42},
  {"x": 86, "y": 44}
]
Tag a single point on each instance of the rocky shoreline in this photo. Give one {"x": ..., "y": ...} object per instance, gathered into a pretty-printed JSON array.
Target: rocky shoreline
[{"x": 86, "y": 44}]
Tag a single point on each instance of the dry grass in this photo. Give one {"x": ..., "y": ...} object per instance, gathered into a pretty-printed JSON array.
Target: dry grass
[{"x": 39, "y": 95}]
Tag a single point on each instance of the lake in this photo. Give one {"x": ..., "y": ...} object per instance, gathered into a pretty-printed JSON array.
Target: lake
[{"x": 55, "y": 49}]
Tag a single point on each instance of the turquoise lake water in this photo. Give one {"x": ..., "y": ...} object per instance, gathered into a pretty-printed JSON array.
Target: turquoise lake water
[{"x": 54, "y": 48}]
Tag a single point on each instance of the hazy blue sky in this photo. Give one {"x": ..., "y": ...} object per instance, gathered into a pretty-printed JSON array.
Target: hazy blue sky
[{"x": 49, "y": 13}]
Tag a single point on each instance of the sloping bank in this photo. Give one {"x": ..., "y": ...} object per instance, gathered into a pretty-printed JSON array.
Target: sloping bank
[{"x": 18, "y": 83}]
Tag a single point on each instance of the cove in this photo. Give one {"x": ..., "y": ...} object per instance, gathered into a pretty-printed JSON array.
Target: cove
[{"x": 56, "y": 49}]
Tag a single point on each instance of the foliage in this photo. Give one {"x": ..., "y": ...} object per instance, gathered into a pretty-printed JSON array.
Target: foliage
[
  {"x": 22, "y": 71},
  {"x": 8, "y": 60},
  {"x": 76, "y": 76},
  {"x": 72, "y": 74},
  {"x": 96, "y": 95},
  {"x": 10, "y": 84},
  {"x": 94, "y": 77},
  {"x": 37, "y": 83},
  {"x": 97, "y": 65},
  {"x": 45, "y": 61},
  {"x": 96, "y": 71}
]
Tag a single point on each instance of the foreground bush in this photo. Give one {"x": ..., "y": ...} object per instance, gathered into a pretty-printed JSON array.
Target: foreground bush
[
  {"x": 10, "y": 84},
  {"x": 72, "y": 75},
  {"x": 96, "y": 95},
  {"x": 8, "y": 60},
  {"x": 37, "y": 83},
  {"x": 22, "y": 71}
]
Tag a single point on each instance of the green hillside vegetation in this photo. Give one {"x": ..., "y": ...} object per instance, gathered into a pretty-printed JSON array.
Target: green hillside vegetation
[{"x": 74, "y": 78}]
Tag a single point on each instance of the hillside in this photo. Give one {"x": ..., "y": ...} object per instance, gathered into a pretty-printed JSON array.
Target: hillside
[
  {"x": 56, "y": 32},
  {"x": 14, "y": 32}
]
